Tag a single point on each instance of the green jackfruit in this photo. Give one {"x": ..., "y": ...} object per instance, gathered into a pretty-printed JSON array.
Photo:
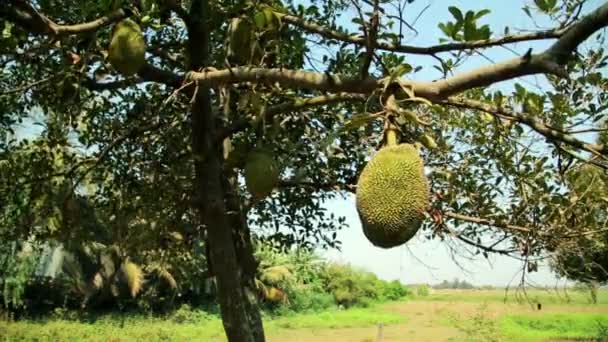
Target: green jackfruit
[
  {"x": 261, "y": 174},
  {"x": 392, "y": 196},
  {"x": 428, "y": 141},
  {"x": 240, "y": 38},
  {"x": 127, "y": 48}
]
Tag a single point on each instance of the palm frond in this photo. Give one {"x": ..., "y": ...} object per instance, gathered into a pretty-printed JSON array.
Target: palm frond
[
  {"x": 167, "y": 278},
  {"x": 134, "y": 277}
]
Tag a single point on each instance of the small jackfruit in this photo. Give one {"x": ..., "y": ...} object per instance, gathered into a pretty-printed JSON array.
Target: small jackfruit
[
  {"x": 428, "y": 141},
  {"x": 275, "y": 295},
  {"x": 261, "y": 173},
  {"x": 127, "y": 47},
  {"x": 240, "y": 38},
  {"x": 392, "y": 196}
]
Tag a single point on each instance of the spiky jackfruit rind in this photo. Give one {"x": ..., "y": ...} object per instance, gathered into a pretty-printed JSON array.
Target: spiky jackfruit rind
[
  {"x": 127, "y": 47},
  {"x": 261, "y": 173},
  {"x": 392, "y": 196},
  {"x": 240, "y": 39}
]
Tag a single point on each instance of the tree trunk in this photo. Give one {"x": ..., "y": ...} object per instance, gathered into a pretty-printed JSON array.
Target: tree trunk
[
  {"x": 209, "y": 193},
  {"x": 244, "y": 253},
  {"x": 212, "y": 211},
  {"x": 593, "y": 286}
]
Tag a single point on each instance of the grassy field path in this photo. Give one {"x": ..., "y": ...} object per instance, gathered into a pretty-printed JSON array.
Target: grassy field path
[
  {"x": 422, "y": 324},
  {"x": 432, "y": 321}
]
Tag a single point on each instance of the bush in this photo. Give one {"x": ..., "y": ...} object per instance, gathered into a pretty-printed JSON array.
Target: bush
[
  {"x": 350, "y": 287},
  {"x": 309, "y": 300},
  {"x": 395, "y": 290},
  {"x": 422, "y": 290},
  {"x": 185, "y": 314}
]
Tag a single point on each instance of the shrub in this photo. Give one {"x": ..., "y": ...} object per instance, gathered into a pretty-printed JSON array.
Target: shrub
[
  {"x": 422, "y": 290},
  {"x": 185, "y": 314},
  {"x": 394, "y": 290},
  {"x": 309, "y": 300}
]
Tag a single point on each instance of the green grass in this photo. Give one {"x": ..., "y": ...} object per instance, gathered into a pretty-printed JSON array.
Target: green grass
[
  {"x": 530, "y": 326},
  {"x": 194, "y": 327},
  {"x": 335, "y": 319},
  {"x": 112, "y": 328},
  {"x": 498, "y": 296},
  {"x": 552, "y": 326}
]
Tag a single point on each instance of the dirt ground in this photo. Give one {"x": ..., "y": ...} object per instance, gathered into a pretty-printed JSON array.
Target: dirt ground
[{"x": 426, "y": 321}]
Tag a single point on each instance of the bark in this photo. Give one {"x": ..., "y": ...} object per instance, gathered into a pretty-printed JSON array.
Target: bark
[
  {"x": 214, "y": 217},
  {"x": 244, "y": 253},
  {"x": 210, "y": 193}
]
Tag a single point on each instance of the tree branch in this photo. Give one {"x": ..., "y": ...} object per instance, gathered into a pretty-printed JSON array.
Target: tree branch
[
  {"x": 317, "y": 186},
  {"x": 293, "y": 105},
  {"x": 428, "y": 50},
  {"x": 150, "y": 73},
  {"x": 530, "y": 121},
  {"x": 22, "y": 13},
  {"x": 433, "y": 91},
  {"x": 579, "y": 32},
  {"x": 487, "y": 222},
  {"x": 28, "y": 86}
]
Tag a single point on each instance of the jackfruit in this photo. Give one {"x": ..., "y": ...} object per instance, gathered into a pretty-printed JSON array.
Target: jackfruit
[
  {"x": 261, "y": 173},
  {"x": 428, "y": 141},
  {"x": 275, "y": 295},
  {"x": 276, "y": 275},
  {"x": 392, "y": 195},
  {"x": 240, "y": 38},
  {"x": 127, "y": 47}
]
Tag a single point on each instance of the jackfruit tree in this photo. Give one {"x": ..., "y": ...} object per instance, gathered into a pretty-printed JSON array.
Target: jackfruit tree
[{"x": 100, "y": 145}]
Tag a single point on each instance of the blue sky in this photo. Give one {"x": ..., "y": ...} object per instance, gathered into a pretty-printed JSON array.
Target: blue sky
[{"x": 422, "y": 261}]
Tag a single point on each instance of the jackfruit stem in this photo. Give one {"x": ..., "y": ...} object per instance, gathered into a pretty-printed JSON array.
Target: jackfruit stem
[{"x": 391, "y": 137}]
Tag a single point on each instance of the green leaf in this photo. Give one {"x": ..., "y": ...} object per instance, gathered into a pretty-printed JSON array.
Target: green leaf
[
  {"x": 401, "y": 70},
  {"x": 456, "y": 13},
  {"x": 544, "y": 5},
  {"x": 482, "y": 13},
  {"x": 446, "y": 29}
]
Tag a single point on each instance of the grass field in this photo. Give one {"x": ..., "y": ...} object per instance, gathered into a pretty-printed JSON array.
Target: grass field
[{"x": 445, "y": 315}]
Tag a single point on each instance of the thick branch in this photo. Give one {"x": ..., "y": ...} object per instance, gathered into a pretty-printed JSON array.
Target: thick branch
[
  {"x": 294, "y": 105},
  {"x": 579, "y": 32},
  {"x": 530, "y": 121},
  {"x": 333, "y": 34},
  {"x": 148, "y": 73},
  {"x": 290, "y": 78},
  {"x": 431, "y": 90},
  {"x": 22, "y": 13}
]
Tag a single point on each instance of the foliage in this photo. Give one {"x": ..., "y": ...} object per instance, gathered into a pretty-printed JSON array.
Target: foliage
[
  {"x": 94, "y": 277},
  {"x": 17, "y": 266},
  {"x": 88, "y": 155},
  {"x": 313, "y": 284},
  {"x": 587, "y": 261},
  {"x": 422, "y": 290}
]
